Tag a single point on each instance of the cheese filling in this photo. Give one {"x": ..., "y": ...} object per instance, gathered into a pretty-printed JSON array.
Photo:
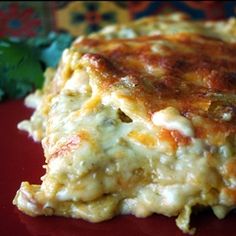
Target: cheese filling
[{"x": 112, "y": 124}]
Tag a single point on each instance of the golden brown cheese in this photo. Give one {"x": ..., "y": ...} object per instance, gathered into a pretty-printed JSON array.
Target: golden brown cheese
[
  {"x": 139, "y": 124},
  {"x": 195, "y": 67}
]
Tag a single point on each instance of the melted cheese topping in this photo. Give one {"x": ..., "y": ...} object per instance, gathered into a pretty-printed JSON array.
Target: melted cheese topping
[
  {"x": 170, "y": 119},
  {"x": 138, "y": 125}
]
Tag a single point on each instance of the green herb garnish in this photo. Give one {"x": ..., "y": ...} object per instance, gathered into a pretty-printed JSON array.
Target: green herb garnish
[{"x": 22, "y": 62}]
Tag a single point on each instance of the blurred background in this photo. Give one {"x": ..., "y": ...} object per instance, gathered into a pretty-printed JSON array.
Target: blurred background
[{"x": 38, "y": 18}]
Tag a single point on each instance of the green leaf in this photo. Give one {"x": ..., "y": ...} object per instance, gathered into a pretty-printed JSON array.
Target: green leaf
[
  {"x": 20, "y": 70},
  {"x": 51, "y": 54},
  {"x": 11, "y": 53},
  {"x": 1, "y": 94},
  {"x": 22, "y": 62}
]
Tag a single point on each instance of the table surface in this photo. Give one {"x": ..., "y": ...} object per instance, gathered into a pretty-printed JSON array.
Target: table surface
[{"x": 22, "y": 159}]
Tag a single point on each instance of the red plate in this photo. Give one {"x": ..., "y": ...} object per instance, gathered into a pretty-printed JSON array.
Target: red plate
[{"x": 22, "y": 159}]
